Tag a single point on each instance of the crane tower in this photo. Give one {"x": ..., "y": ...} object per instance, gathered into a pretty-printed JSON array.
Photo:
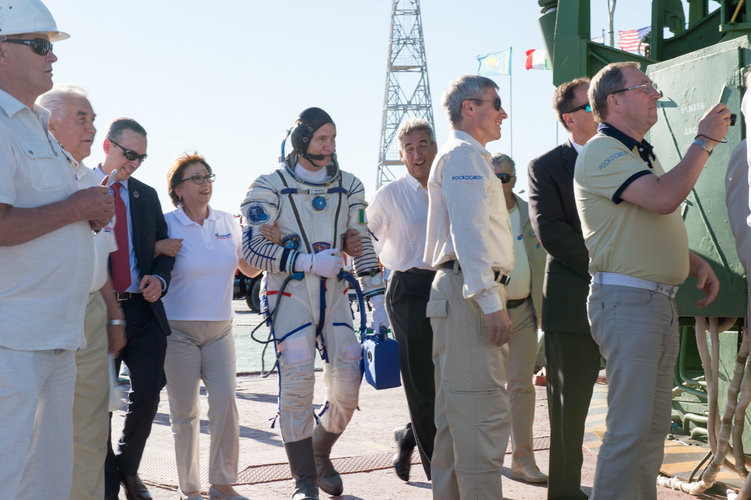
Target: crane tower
[{"x": 407, "y": 92}]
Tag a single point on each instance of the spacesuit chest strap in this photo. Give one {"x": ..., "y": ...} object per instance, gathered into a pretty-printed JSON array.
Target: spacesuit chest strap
[{"x": 294, "y": 210}]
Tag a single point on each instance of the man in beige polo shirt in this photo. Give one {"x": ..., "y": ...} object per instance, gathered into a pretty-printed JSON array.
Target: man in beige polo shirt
[{"x": 638, "y": 256}]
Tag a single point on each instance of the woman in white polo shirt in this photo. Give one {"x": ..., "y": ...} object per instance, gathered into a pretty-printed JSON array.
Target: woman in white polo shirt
[{"x": 199, "y": 311}]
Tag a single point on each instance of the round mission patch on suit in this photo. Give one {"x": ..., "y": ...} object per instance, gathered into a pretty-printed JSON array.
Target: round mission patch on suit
[{"x": 257, "y": 215}]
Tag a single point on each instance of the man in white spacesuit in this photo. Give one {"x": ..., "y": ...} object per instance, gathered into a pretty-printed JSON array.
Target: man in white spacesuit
[{"x": 314, "y": 204}]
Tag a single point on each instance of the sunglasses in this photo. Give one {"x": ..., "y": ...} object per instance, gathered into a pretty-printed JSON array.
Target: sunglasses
[
  {"x": 129, "y": 154},
  {"x": 496, "y": 102},
  {"x": 505, "y": 178},
  {"x": 38, "y": 45},
  {"x": 586, "y": 107},
  {"x": 200, "y": 179}
]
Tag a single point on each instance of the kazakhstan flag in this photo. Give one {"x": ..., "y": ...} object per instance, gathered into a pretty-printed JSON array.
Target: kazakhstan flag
[{"x": 495, "y": 63}]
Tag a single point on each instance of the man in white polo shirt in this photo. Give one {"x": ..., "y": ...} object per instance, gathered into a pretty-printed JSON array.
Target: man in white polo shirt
[
  {"x": 72, "y": 124},
  {"x": 45, "y": 237},
  {"x": 638, "y": 256}
]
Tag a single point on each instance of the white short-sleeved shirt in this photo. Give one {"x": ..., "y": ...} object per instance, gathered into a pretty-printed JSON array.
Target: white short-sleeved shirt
[
  {"x": 202, "y": 280},
  {"x": 36, "y": 171},
  {"x": 104, "y": 240}
]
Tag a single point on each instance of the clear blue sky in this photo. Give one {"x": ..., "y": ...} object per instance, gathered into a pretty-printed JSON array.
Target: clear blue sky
[{"x": 227, "y": 78}]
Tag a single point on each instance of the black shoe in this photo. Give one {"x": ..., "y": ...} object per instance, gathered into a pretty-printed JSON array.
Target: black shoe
[
  {"x": 134, "y": 487},
  {"x": 112, "y": 497},
  {"x": 405, "y": 442}
]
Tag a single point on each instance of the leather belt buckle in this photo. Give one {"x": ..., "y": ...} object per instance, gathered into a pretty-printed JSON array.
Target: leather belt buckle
[{"x": 123, "y": 296}]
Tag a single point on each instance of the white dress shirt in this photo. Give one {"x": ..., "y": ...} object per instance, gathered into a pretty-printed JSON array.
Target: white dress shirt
[{"x": 397, "y": 218}]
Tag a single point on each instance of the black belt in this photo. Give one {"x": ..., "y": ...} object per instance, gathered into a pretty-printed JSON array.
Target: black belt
[
  {"x": 501, "y": 278},
  {"x": 420, "y": 272},
  {"x": 123, "y": 296},
  {"x": 510, "y": 304}
]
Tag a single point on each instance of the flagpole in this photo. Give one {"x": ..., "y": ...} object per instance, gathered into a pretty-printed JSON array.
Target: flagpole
[{"x": 511, "y": 98}]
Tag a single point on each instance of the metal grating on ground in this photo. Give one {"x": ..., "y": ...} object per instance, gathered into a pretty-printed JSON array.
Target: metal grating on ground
[{"x": 161, "y": 471}]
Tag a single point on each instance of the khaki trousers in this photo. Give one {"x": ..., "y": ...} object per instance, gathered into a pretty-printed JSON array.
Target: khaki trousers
[
  {"x": 90, "y": 405},
  {"x": 202, "y": 350},
  {"x": 637, "y": 331},
  {"x": 471, "y": 408},
  {"x": 522, "y": 351}
]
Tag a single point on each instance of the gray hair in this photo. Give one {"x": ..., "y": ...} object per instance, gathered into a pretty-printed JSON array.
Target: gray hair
[
  {"x": 54, "y": 99},
  {"x": 116, "y": 127},
  {"x": 605, "y": 82},
  {"x": 461, "y": 89},
  {"x": 411, "y": 125},
  {"x": 498, "y": 159}
]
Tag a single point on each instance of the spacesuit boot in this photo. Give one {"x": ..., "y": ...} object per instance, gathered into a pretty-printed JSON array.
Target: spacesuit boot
[
  {"x": 329, "y": 479},
  {"x": 303, "y": 468}
]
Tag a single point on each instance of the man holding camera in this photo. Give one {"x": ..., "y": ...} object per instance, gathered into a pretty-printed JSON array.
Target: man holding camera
[{"x": 638, "y": 257}]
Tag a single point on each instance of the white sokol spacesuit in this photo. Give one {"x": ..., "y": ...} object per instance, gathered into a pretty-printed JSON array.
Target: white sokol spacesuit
[
  {"x": 282, "y": 197},
  {"x": 312, "y": 312}
]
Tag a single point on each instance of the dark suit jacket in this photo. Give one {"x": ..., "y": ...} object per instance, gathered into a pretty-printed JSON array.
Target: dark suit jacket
[
  {"x": 149, "y": 226},
  {"x": 552, "y": 212}
]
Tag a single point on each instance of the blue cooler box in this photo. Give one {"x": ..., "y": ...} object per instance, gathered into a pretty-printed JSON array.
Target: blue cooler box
[{"x": 380, "y": 361}]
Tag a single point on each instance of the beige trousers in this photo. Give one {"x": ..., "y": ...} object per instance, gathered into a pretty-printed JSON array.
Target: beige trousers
[
  {"x": 471, "y": 407},
  {"x": 522, "y": 351},
  {"x": 202, "y": 350},
  {"x": 90, "y": 405}
]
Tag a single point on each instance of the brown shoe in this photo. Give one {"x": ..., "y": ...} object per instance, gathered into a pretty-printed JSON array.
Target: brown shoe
[{"x": 134, "y": 487}]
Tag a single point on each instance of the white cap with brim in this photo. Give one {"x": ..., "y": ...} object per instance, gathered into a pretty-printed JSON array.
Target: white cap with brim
[{"x": 19, "y": 17}]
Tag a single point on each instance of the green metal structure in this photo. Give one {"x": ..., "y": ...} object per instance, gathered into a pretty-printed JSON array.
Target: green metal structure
[{"x": 693, "y": 63}]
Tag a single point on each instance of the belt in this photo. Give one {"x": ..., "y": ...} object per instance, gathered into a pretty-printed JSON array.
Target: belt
[
  {"x": 123, "y": 296},
  {"x": 510, "y": 304},
  {"x": 499, "y": 277},
  {"x": 603, "y": 278},
  {"x": 420, "y": 272}
]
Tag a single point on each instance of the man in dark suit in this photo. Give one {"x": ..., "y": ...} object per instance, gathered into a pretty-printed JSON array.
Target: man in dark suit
[
  {"x": 139, "y": 279},
  {"x": 573, "y": 358}
]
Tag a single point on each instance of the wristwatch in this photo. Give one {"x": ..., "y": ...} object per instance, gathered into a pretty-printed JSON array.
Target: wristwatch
[{"x": 704, "y": 145}]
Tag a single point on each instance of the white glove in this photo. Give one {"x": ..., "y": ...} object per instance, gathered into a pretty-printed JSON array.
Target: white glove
[
  {"x": 326, "y": 263},
  {"x": 379, "y": 313}
]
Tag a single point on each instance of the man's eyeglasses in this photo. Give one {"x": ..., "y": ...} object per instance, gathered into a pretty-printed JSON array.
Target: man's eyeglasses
[
  {"x": 129, "y": 154},
  {"x": 505, "y": 178},
  {"x": 200, "y": 179},
  {"x": 647, "y": 88},
  {"x": 38, "y": 45},
  {"x": 586, "y": 107},
  {"x": 496, "y": 102}
]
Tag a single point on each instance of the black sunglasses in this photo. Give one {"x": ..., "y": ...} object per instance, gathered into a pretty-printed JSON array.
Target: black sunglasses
[
  {"x": 586, "y": 107},
  {"x": 496, "y": 102},
  {"x": 505, "y": 178},
  {"x": 130, "y": 154},
  {"x": 38, "y": 45},
  {"x": 200, "y": 179}
]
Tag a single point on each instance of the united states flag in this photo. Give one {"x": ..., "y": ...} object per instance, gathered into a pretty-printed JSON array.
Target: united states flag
[{"x": 630, "y": 40}]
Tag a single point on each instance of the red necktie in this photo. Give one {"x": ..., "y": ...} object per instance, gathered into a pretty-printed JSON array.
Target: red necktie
[{"x": 121, "y": 257}]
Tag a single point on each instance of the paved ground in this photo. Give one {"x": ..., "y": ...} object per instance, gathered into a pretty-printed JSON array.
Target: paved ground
[{"x": 363, "y": 453}]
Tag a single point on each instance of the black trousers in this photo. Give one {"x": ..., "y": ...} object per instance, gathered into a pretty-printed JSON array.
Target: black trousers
[
  {"x": 144, "y": 357},
  {"x": 406, "y": 298},
  {"x": 573, "y": 362}
]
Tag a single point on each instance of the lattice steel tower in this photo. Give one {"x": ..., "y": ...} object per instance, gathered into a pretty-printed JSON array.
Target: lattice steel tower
[{"x": 407, "y": 90}]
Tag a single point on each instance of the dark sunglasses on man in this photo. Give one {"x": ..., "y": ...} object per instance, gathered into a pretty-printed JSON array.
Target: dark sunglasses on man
[
  {"x": 586, "y": 107},
  {"x": 38, "y": 45},
  {"x": 129, "y": 154},
  {"x": 505, "y": 178},
  {"x": 496, "y": 102}
]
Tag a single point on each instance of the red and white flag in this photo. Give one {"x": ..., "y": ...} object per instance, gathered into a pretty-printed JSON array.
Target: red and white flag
[
  {"x": 537, "y": 59},
  {"x": 630, "y": 40}
]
